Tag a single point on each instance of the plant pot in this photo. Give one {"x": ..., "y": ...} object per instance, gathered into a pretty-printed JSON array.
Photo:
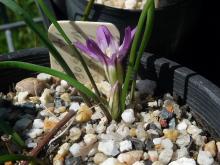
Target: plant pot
[
  {"x": 174, "y": 21},
  {"x": 201, "y": 95}
]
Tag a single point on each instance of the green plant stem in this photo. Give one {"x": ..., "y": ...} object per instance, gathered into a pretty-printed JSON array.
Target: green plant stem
[
  {"x": 134, "y": 48},
  {"x": 88, "y": 10},
  {"x": 14, "y": 157},
  {"x": 73, "y": 49},
  {"x": 145, "y": 40},
  {"x": 41, "y": 69}
]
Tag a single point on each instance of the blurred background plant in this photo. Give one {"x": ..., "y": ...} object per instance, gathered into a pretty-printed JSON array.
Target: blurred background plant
[{"x": 22, "y": 37}]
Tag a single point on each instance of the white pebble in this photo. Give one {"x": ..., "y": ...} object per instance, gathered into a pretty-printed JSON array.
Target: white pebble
[
  {"x": 75, "y": 133},
  {"x": 125, "y": 145},
  {"x": 75, "y": 149},
  {"x": 110, "y": 161},
  {"x": 74, "y": 106},
  {"x": 182, "y": 126},
  {"x": 35, "y": 132},
  {"x": 165, "y": 156},
  {"x": 64, "y": 84},
  {"x": 183, "y": 161},
  {"x": 183, "y": 140},
  {"x": 38, "y": 123},
  {"x": 153, "y": 155},
  {"x": 167, "y": 144},
  {"x": 64, "y": 148},
  {"x": 22, "y": 96},
  {"x": 44, "y": 77},
  {"x": 157, "y": 141},
  {"x": 139, "y": 163},
  {"x": 90, "y": 138},
  {"x": 205, "y": 158},
  {"x": 194, "y": 130},
  {"x": 32, "y": 145},
  {"x": 60, "y": 89},
  {"x": 108, "y": 148},
  {"x": 128, "y": 116},
  {"x": 152, "y": 104}
]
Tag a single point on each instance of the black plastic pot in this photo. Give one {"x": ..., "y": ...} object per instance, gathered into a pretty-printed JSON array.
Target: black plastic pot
[
  {"x": 201, "y": 95},
  {"x": 174, "y": 21}
]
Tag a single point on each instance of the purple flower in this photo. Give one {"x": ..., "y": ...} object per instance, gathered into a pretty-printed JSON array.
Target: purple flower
[{"x": 106, "y": 49}]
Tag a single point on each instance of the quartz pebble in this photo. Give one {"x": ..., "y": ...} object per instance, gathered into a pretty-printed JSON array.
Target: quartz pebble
[
  {"x": 35, "y": 132},
  {"x": 75, "y": 149},
  {"x": 128, "y": 116},
  {"x": 205, "y": 158},
  {"x": 125, "y": 145},
  {"x": 111, "y": 161},
  {"x": 153, "y": 155},
  {"x": 194, "y": 130},
  {"x": 99, "y": 158},
  {"x": 84, "y": 114},
  {"x": 165, "y": 156},
  {"x": 75, "y": 134},
  {"x": 22, "y": 97},
  {"x": 46, "y": 97},
  {"x": 44, "y": 77},
  {"x": 90, "y": 138},
  {"x": 183, "y": 161},
  {"x": 182, "y": 126},
  {"x": 109, "y": 148},
  {"x": 38, "y": 123},
  {"x": 130, "y": 157},
  {"x": 63, "y": 149},
  {"x": 64, "y": 84},
  {"x": 183, "y": 140},
  {"x": 211, "y": 147}
]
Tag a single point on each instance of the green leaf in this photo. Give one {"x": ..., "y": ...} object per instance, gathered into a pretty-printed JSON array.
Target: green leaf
[
  {"x": 88, "y": 10},
  {"x": 42, "y": 69},
  {"x": 133, "y": 53},
  {"x": 19, "y": 11},
  {"x": 74, "y": 51},
  {"x": 14, "y": 157},
  {"x": 4, "y": 127}
]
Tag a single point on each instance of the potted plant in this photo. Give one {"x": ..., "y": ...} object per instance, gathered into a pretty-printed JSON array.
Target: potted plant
[
  {"x": 146, "y": 135},
  {"x": 174, "y": 20}
]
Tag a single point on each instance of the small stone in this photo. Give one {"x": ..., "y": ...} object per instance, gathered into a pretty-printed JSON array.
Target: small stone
[
  {"x": 97, "y": 115},
  {"x": 65, "y": 97},
  {"x": 205, "y": 158},
  {"x": 130, "y": 157},
  {"x": 46, "y": 97},
  {"x": 125, "y": 145},
  {"x": 166, "y": 144},
  {"x": 31, "y": 85},
  {"x": 22, "y": 124},
  {"x": 60, "y": 89},
  {"x": 132, "y": 132},
  {"x": 149, "y": 144},
  {"x": 211, "y": 147},
  {"x": 152, "y": 104},
  {"x": 44, "y": 77},
  {"x": 145, "y": 156},
  {"x": 64, "y": 84},
  {"x": 22, "y": 97},
  {"x": 89, "y": 129},
  {"x": 100, "y": 128},
  {"x": 108, "y": 148},
  {"x": 33, "y": 133},
  {"x": 99, "y": 158},
  {"x": 128, "y": 116},
  {"x": 157, "y": 163},
  {"x": 153, "y": 155},
  {"x": 182, "y": 126},
  {"x": 193, "y": 130},
  {"x": 123, "y": 130},
  {"x": 32, "y": 145},
  {"x": 75, "y": 149},
  {"x": 73, "y": 161},
  {"x": 171, "y": 134},
  {"x": 139, "y": 163},
  {"x": 183, "y": 140},
  {"x": 90, "y": 138},
  {"x": 75, "y": 134},
  {"x": 157, "y": 141},
  {"x": 84, "y": 113},
  {"x": 199, "y": 140},
  {"x": 111, "y": 161},
  {"x": 38, "y": 123},
  {"x": 64, "y": 149},
  {"x": 58, "y": 159},
  {"x": 74, "y": 106},
  {"x": 165, "y": 156},
  {"x": 182, "y": 152},
  {"x": 141, "y": 134},
  {"x": 138, "y": 144},
  {"x": 50, "y": 123},
  {"x": 112, "y": 127},
  {"x": 183, "y": 161}
]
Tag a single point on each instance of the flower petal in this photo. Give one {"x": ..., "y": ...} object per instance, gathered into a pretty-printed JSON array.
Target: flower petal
[
  {"x": 126, "y": 42},
  {"x": 84, "y": 49},
  {"x": 97, "y": 52}
]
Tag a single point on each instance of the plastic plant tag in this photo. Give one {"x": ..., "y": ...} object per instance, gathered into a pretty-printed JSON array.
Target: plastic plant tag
[{"x": 78, "y": 31}]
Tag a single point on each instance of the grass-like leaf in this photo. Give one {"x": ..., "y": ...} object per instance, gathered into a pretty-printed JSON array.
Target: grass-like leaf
[
  {"x": 74, "y": 51},
  {"x": 145, "y": 40},
  {"x": 88, "y": 10},
  {"x": 14, "y": 157},
  {"x": 133, "y": 53},
  {"x": 12, "y": 5},
  {"x": 41, "y": 69},
  {"x": 4, "y": 127}
]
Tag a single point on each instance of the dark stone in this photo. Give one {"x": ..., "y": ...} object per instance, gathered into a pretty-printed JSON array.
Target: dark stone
[
  {"x": 137, "y": 144},
  {"x": 165, "y": 114},
  {"x": 172, "y": 123},
  {"x": 74, "y": 161},
  {"x": 149, "y": 145},
  {"x": 76, "y": 98},
  {"x": 148, "y": 162},
  {"x": 58, "y": 102}
]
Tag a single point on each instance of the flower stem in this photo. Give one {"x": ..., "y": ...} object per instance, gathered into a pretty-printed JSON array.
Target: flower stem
[
  {"x": 145, "y": 40},
  {"x": 133, "y": 52},
  {"x": 88, "y": 10}
]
